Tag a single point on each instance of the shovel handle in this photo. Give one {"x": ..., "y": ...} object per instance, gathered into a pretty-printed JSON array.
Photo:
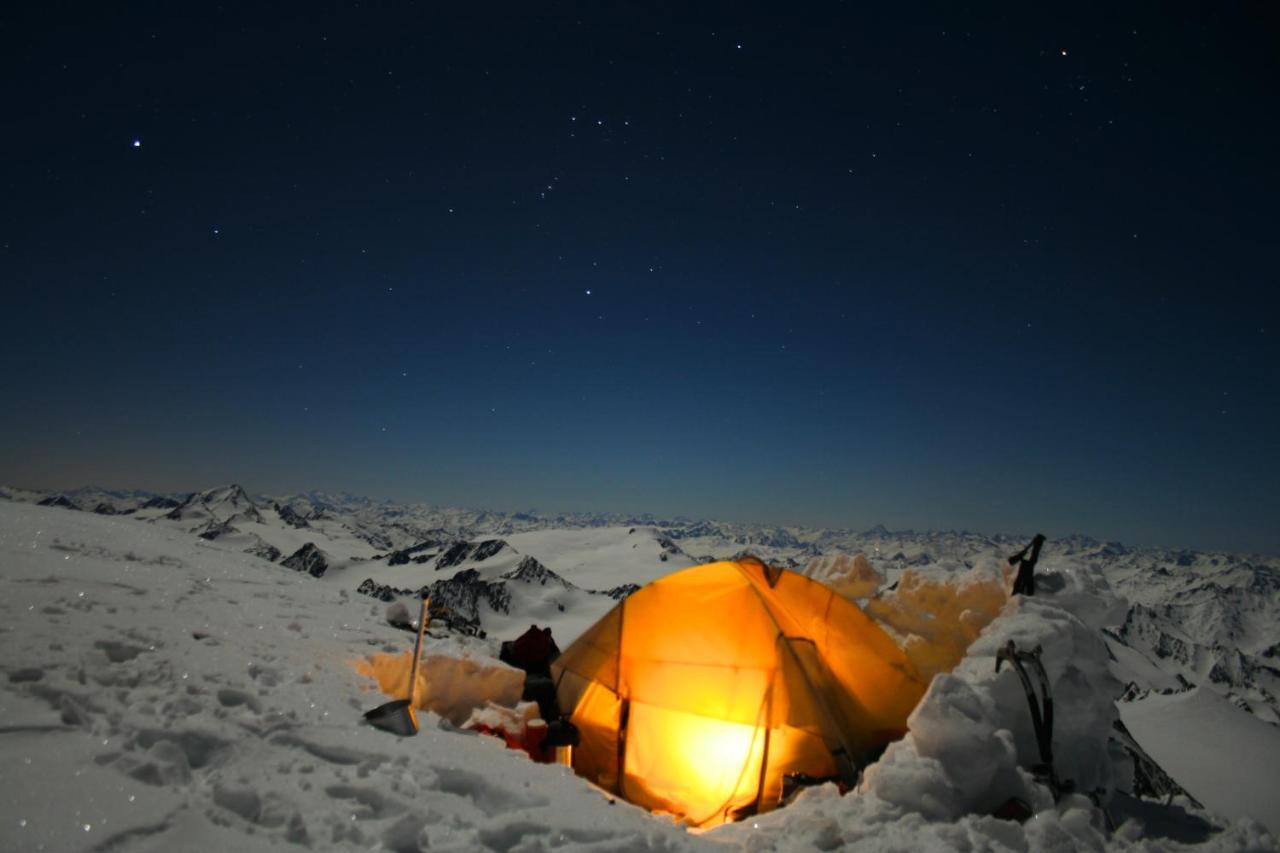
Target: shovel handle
[{"x": 423, "y": 618}]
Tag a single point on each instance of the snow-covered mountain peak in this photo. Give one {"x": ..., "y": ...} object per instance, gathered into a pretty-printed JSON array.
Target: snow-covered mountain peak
[
  {"x": 224, "y": 504},
  {"x": 232, "y": 497}
]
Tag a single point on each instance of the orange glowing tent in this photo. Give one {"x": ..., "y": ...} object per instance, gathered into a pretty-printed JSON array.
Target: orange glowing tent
[{"x": 702, "y": 691}]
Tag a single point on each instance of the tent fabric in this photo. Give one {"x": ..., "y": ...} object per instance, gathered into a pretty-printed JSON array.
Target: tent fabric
[{"x": 700, "y": 692}]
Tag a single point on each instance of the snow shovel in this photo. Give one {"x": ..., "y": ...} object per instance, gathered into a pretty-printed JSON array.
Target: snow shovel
[{"x": 398, "y": 716}]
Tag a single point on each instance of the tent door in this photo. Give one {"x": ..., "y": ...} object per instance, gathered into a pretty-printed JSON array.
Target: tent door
[{"x": 814, "y": 672}]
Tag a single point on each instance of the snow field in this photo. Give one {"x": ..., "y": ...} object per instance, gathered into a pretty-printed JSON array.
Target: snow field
[
  {"x": 161, "y": 692},
  {"x": 1229, "y": 759}
]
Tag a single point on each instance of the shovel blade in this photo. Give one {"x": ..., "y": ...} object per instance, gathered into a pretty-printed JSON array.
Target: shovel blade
[{"x": 397, "y": 717}]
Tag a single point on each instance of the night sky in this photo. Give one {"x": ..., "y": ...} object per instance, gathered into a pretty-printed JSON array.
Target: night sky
[{"x": 985, "y": 267}]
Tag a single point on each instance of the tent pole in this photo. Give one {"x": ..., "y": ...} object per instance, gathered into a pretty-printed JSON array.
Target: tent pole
[
  {"x": 624, "y": 713},
  {"x": 843, "y": 756},
  {"x": 764, "y": 755}
]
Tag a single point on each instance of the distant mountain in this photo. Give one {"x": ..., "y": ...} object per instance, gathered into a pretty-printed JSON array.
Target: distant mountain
[
  {"x": 224, "y": 504},
  {"x": 1211, "y": 619},
  {"x": 309, "y": 559},
  {"x": 290, "y": 516}
]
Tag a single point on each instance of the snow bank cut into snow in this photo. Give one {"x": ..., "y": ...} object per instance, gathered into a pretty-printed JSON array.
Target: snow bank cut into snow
[{"x": 450, "y": 685}]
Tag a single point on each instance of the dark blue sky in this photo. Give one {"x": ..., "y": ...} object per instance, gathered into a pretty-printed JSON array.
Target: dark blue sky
[{"x": 989, "y": 268}]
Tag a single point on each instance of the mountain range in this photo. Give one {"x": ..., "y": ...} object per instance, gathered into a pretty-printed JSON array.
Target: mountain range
[{"x": 1180, "y": 618}]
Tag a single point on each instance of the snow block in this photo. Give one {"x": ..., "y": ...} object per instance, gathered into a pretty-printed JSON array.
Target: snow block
[
  {"x": 971, "y": 738},
  {"x": 451, "y": 686}
]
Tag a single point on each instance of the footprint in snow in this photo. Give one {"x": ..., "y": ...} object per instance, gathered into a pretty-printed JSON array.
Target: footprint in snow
[
  {"x": 118, "y": 652},
  {"x": 374, "y": 804},
  {"x": 231, "y": 698},
  {"x": 489, "y": 798},
  {"x": 269, "y": 810},
  {"x": 26, "y": 674}
]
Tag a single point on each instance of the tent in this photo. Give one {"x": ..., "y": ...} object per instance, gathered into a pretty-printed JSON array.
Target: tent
[{"x": 701, "y": 692}]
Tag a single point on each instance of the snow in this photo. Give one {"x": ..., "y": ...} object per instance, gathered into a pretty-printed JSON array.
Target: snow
[
  {"x": 571, "y": 611},
  {"x": 1136, "y": 668},
  {"x": 450, "y": 684},
  {"x": 853, "y": 577},
  {"x": 1225, "y": 757},
  {"x": 936, "y": 618},
  {"x": 602, "y": 557},
  {"x": 1210, "y": 619},
  {"x": 972, "y": 731},
  {"x": 169, "y": 692}
]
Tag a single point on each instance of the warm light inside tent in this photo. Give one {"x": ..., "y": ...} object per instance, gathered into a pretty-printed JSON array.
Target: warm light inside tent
[
  {"x": 702, "y": 767},
  {"x": 701, "y": 693}
]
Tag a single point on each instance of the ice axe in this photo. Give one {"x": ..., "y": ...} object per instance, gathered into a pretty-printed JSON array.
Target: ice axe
[{"x": 398, "y": 716}]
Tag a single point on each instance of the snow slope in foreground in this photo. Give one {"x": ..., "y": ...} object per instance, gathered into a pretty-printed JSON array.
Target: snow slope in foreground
[{"x": 161, "y": 693}]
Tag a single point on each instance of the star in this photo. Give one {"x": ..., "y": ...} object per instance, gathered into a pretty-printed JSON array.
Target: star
[
  {"x": 137, "y": 143},
  {"x": 588, "y": 291}
]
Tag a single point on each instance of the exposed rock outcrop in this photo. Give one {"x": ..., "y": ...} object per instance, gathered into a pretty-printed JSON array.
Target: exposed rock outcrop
[
  {"x": 453, "y": 555},
  {"x": 291, "y": 516},
  {"x": 309, "y": 559},
  {"x": 531, "y": 571}
]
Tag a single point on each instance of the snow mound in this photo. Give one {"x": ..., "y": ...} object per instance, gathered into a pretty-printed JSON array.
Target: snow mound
[
  {"x": 1082, "y": 589},
  {"x": 451, "y": 685},
  {"x": 852, "y": 577},
  {"x": 936, "y": 618},
  {"x": 972, "y": 730}
]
